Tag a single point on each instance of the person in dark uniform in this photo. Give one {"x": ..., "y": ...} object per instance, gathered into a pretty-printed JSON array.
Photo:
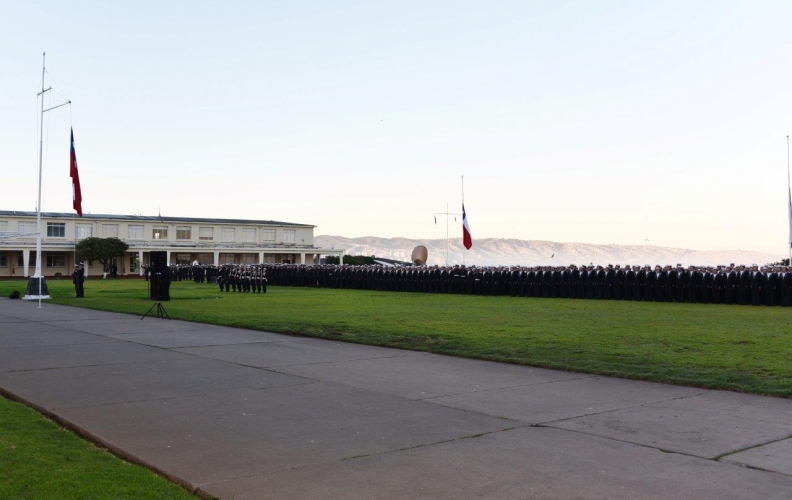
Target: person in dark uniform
[
  {"x": 650, "y": 283},
  {"x": 629, "y": 283},
  {"x": 565, "y": 291},
  {"x": 786, "y": 287},
  {"x": 730, "y": 288},
  {"x": 589, "y": 276},
  {"x": 672, "y": 281},
  {"x": 719, "y": 286},
  {"x": 78, "y": 278},
  {"x": 661, "y": 285},
  {"x": 709, "y": 283},
  {"x": 640, "y": 283},
  {"x": 694, "y": 284},
  {"x": 618, "y": 283},
  {"x": 770, "y": 286},
  {"x": 683, "y": 283},
  {"x": 607, "y": 283},
  {"x": 757, "y": 282}
]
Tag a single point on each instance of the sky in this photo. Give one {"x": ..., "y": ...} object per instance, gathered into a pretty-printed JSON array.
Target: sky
[{"x": 575, "y": 121}]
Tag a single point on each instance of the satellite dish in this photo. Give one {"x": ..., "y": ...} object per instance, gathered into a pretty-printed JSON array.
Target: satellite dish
[{"x": 419, "y": 255}]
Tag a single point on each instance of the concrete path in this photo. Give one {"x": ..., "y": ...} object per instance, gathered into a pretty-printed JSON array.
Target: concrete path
[{"x": 248, "y": 415}]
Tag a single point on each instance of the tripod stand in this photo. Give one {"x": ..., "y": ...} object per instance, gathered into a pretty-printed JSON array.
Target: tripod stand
[
  {"x": 159, "y": 285},
  {"x": 161, "y": 312}
]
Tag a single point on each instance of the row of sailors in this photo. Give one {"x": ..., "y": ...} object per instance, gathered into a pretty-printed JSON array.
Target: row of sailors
[
  {"x": 195, "y": 272},
  {"x": 229, "y": 277},
  {"x": 724, "y": 284},
  {"x": 240, "y": 278}
]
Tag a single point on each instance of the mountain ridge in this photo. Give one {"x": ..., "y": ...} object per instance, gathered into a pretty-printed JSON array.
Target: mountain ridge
[{"x": 513, "y": 251}]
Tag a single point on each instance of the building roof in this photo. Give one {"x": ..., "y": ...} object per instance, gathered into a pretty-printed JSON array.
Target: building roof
[{"x": 151, "y": 218}]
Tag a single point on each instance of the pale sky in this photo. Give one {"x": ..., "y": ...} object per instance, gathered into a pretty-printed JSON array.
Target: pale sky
[{"x": 587, "y": 121}]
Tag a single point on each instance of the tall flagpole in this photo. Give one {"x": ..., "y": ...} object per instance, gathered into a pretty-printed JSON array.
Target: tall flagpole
[
  {"x": 37, "y": 286},
  {"x": 38, "y": 206},
  {"x": 789, "y": 207}
]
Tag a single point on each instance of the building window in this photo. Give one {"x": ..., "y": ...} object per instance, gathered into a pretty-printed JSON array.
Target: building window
[
  {"x": 228, "y": 234},
  {"x": 183, "y": 258},
  {"x": 227, "y": 258},
  {"x": 56, "y": 259},
  {"x": 268, "y": 234},
  {"x": 183, "y": 233},
  {"x": 3, "y": 226},
  {"x": 3, "y": 260},
  {"x": 288, "y": 235},
  {"x": 249, "y": 258},
  {"x": 249, "y": 234},
  {"x": 83, "y": 231},
  {"x": 205, "y": 233},
  {"x": 56, "y": 229},
  {"x": 28, "y": 227},
  {"x": 21, "y": 260},
  {"x": 135, "y": 232},
  {"x": 159, "y": 233},
  {"x": 110, "y": 230}
]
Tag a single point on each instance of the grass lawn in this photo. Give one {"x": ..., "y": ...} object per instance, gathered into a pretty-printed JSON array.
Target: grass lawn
[
  {"x": 740, "y": 348},
  {"x": 39, "y": 460}
]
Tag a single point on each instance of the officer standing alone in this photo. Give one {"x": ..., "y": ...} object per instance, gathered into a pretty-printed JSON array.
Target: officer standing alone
[{"x": 78, "y": 278}]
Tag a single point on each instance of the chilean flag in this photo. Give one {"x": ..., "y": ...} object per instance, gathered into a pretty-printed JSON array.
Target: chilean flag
[
  {"x": 76, "y": 193},
  {"x": 467, "y": 240}
]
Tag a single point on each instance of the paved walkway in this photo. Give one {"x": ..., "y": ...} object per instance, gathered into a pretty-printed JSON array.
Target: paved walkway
[{"x": 247, "y": 415}]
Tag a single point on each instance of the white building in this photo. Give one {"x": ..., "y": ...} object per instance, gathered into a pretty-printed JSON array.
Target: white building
[{"x": 185, "y": 239}]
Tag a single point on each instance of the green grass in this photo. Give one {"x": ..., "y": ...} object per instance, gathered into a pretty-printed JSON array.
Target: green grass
[
  {"x": 740, "y": 348},
  {"x": 39, "y": 460}
]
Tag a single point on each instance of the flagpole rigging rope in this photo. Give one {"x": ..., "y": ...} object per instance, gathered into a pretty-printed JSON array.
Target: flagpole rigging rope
[{"x": 447, "y": 215}]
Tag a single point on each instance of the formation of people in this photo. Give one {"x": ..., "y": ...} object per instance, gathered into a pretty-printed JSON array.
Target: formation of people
[
  {"x": 243, "y": 278},
  {"x": 771, "y": 286},
  {"x": 229, "y": 277}
]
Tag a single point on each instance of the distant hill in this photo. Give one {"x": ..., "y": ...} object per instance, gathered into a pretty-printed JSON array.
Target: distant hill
[{"x": 504, "y": 252}]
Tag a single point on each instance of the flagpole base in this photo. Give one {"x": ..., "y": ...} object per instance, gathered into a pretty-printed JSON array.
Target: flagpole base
[{"x": 34, "y": 292}]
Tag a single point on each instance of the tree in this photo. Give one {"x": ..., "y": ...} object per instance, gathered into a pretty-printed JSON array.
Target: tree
[{"x": 102, "y": 249}]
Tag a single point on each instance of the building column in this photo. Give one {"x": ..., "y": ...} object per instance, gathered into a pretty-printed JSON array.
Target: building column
[
  {"x": 140, "y": 262},
  {"x": 302, "y": 258},
  {"x": 261, "y": 258},
  {"x": 217, "y": 257},
  {"x": 26, "y": 262},
  {"x": 168, "y": 252},
  {"x": 340, "y": 258}
]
